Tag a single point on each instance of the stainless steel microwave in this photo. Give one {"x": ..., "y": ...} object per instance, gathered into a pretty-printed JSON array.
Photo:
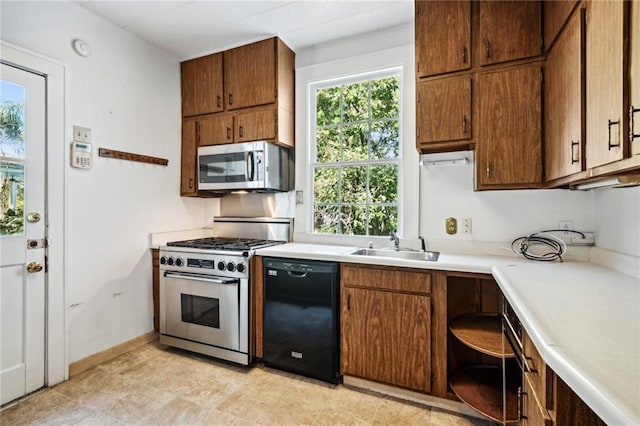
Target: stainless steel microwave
[{"x": 253, "y": 166}]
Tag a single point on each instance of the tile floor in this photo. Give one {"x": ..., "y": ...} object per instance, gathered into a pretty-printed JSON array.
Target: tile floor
[{"x": 157, "y": 385}]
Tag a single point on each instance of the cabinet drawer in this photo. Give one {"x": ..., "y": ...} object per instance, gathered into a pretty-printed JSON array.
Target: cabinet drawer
[
  {"x": 537, "y": 375},
  {"x": 387, "y": 278}
]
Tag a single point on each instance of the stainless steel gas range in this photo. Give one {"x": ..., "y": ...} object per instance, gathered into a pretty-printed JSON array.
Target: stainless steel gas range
[{"x": 204, "y": 286}]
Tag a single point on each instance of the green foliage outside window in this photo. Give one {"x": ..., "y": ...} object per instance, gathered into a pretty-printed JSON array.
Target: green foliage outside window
[
  {"x": 11, "y": 167},
  {"x": 355, "y": 174}
]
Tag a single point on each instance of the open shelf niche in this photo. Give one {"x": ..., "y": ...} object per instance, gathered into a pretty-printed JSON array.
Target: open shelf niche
[{"x": 478, "y": 359}]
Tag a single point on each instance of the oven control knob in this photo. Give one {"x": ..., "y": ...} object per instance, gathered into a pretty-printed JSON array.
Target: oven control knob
[
  {"x": 231, "y": 266},
  {"x": 179, "y": 261},
  {"x": 163, "y": 260},
  {"x": 221, "y": 266},
  {"x": 240, "y": 267},
  {"x": 170, "y": 261}
]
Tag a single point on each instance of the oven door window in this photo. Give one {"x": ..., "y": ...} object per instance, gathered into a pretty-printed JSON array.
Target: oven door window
[
  {"x": 200, "y": 310},
  {"x": 224, "y": 168}
]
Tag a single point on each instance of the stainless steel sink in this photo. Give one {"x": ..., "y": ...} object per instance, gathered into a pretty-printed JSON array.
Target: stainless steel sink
[{"x": 431, "y": 256}]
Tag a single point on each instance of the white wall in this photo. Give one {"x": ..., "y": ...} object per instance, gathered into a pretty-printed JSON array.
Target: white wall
[
  {"x": 497, "y": 216},
  {"x": 616, "y": 213},
  {"x": 128, "y": 93}
]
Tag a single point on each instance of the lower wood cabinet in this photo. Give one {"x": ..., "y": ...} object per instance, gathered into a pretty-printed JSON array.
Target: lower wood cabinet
[{"x": 386, "y": 330}]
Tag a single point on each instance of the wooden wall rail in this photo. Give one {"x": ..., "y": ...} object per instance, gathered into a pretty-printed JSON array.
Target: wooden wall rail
[{"x": 121, "y": 155}]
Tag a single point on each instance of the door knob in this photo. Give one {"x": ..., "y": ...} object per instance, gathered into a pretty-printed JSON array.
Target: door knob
[
  {"x": 34, "y": 267},
  {"x": 33, "y": 217}
]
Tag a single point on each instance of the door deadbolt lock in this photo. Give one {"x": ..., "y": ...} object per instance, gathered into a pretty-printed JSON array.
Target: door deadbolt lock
[
  {"x": 34, "y": 267},
  {"x": 36, "y": 244},
  {"x": 33, "y": 217}
]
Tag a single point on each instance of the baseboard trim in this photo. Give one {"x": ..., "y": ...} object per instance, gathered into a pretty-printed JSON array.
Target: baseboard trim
[
  {"x": 91, "y": 361},
  {"x": 407, "y": 395}
]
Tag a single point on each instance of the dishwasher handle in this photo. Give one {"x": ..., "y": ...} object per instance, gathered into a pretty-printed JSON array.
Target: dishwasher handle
[{"x": 297, "y": 274}]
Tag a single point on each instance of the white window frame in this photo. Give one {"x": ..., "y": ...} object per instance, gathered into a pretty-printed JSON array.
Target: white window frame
[
  {"x": 313, "y": 87},
  {"x": 334, "y": 63}
]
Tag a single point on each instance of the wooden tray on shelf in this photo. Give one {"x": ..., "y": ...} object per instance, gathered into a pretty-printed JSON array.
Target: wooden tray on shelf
[
  {"x": 480, "y": 387},
  {"x": 482, "y": 332}
]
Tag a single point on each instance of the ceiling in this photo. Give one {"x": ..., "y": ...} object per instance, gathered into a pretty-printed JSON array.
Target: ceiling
[{"x": 191, "y": 28}]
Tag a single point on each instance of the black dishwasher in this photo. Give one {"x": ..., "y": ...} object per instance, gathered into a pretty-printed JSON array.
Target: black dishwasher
[{"x": 301, "y": 300}]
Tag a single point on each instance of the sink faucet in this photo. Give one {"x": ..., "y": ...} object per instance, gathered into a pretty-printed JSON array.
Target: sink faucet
[
  {"x": 396, "y": 241},
  {"x": 423, "y": 246}
]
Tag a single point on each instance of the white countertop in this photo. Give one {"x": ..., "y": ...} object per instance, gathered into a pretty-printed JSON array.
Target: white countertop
[
  {"x": 446, "y": 261},
  {"x": 584, "y": 319}
]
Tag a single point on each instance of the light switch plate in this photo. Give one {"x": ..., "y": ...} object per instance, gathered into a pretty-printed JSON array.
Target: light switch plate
[{"x": 81, "y": 134}]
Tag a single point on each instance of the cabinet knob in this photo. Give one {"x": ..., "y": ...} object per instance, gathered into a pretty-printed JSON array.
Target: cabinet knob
[
  {"x": 240, "y": 131},
  {"x": 487, "y": 47},
  {"x": 488, "y": 170},
  {"x": 219, "y": 101},
  {"x": 632, "y": 113},
  {"x": 228, "y": 132},
  {"x": 464, "y": 54},
  {"x": 190, "y": 183},
  {"x": 464, "y": 124},
  {"x": 611, "y": 124},
  {"x": 574, "y": 144},
  {"x": 230, "y": 99}
]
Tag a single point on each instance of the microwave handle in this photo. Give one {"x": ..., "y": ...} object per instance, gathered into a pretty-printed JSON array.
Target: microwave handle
[{"x": 250, "y": 170}]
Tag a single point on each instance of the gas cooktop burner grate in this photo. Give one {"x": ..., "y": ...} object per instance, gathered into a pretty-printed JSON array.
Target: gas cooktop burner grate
[{"x": 219, "y": 243}]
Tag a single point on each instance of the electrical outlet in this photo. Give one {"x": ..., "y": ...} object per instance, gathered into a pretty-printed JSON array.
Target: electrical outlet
[
  {"x": 566, "y": 225},
  {"x": 577, "y": 240},
  {"x": 451, "y": 225},
  {"x": 466, "y": 225}
]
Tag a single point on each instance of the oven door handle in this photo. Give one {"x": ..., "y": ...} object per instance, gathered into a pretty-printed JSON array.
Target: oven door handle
[{"x": 200, "y": 277}]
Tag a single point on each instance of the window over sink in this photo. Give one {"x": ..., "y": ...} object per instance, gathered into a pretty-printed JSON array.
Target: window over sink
[{"x": 354, "y": 158}]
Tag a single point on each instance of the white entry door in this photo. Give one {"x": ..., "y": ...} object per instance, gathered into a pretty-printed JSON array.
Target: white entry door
[{"x": 22, "y": 232}]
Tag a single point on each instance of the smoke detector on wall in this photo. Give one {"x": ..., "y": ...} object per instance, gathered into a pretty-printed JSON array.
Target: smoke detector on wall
[{"x": 81, "y": 47}]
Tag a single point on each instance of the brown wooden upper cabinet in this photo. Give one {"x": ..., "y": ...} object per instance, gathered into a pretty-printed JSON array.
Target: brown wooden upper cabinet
[
  {"x": 555, "y": 14},
  {"x": 250, "y": 74},
  {"x": 509, "y": 152},
  {"x": 188, "y": 170},
  {"x": 202, "y": 85},
  {"x": 443, "y": 36},
  {"x": 564, "y": 129},
  {"x": 605, "y": 34},
  {"x": 509, "y": 30},
  {"x": 443, "y": 110},
  {"x": 634, "y": 77}
]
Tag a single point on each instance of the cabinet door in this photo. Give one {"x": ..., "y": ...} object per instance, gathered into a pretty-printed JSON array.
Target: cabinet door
[
  {"x": 444, "y": 110},
  {"x": 605, "y": 33},
  {"x": 188, "y": 171},
  {"x": 634, "y": 74},
  {"x": 202, "y": 85},
  {"x": 563, "y": 103},
  {"x": 509, "y": 30},
  {"x": 386, "y": 337},
  {"x": 443, "y": 36},
  {"x": 256, "y": 124},
  {"x": 555, "y": 14},
  {"x": 215, "y": 129},
  {"x": 509, "y": 150},
  {"x": 250, "y": 75}
]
